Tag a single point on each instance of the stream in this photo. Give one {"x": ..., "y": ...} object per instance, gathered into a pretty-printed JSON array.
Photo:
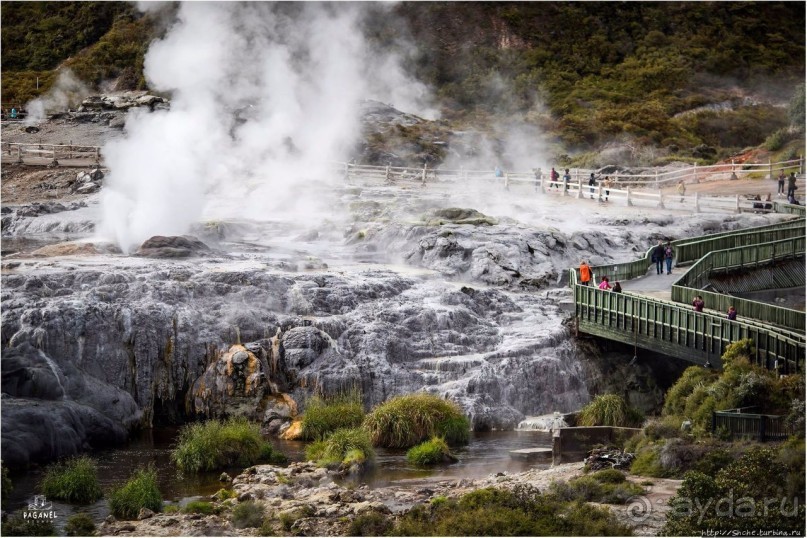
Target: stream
[{"x": 487, "y": 453}]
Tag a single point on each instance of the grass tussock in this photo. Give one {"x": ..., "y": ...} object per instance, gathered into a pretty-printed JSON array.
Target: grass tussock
[
  {"x": 199, "y": 507},
  {"x": 80, "y": 524},
  {"x": 342, "y": 447},
  {"x": 140, "y": 491},
  {"x": 405, "y": 421},
  {"x": 248, "y": 514},
  {"x": 217, "y": 444},
  {"x": 74, "y": 481},
  {"x": 433, "y": 451},
  {"x": 609, "y": 410},
  {"x": 324, "y": 415}
]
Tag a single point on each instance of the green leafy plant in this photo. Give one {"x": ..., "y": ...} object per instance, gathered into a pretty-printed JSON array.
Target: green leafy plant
[
  {"x": 140, "y": 491},
  {"x": 218, "y": 444},
  {"x": 74, "y": 481},
  {"x": 199, "y": 507},
  {"x": 342, "y": 447},
  {"x": 405, "y": 421},
  {"x": 18, "y": 526},
  {"x": 370, "y": 524}
]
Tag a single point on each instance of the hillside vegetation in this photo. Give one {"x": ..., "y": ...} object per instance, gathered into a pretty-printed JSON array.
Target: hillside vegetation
[{"x": 700, "y": 80}]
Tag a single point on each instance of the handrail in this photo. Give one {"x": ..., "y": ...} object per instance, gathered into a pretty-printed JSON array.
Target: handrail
[
  {"x": 691, "y": 250},
  {"x": 752, "y": 256}
]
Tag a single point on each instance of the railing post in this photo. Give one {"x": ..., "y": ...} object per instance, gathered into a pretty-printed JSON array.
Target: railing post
[
  {"x": 697, "y": 202},
  {"x": 386, "y": 174},
  {"x": 761, "y": 428},
  {"x": 507, "y": 181},
  {"x": 657, "y": 180},
  {"x": 599, "y": 191},
  {"x": 695, "y": 172},
  {"x": 629, "y": 201},
  {"x": 660, "y": 199},
  {"x": 737, "y": 207},
  {"x": 579, "y": 183},
  {"x": 770, "y": 169},
  {"x": 54, "y": 162},
  {"x": 97, "y": 154},
  {"x": 732, "y": 165},
  {"x": 423, "y": 180},
  {"x": 19, "y": 154}
]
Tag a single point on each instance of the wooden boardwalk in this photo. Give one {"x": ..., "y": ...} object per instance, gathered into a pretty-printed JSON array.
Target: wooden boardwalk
[{"x": 646, "y": 316}]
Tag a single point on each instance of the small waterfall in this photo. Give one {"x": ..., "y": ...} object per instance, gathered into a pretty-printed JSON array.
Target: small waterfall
[{"x": 56, "y": 372}]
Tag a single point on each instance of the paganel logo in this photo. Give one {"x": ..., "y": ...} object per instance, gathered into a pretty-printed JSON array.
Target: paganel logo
[{"x": 39, "y": 508}]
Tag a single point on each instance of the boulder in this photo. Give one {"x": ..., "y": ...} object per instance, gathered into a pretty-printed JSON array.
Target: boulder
[{"x": 183, "y": 246}]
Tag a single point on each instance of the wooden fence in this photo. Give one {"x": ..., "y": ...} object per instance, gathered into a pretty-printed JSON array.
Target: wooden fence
[
  {"x": 738, "y": 424},
  {"x": 749, "y": 257},
  {"x": 54, "y": 152}
]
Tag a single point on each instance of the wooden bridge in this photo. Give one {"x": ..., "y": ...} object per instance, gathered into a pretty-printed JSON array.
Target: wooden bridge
[{"x": 675, "y": 329}]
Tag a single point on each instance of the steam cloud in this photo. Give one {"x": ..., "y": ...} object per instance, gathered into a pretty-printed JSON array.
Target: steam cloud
[
  {"x": 68, "y": 90},
  {"x": 264, "y": 96}
]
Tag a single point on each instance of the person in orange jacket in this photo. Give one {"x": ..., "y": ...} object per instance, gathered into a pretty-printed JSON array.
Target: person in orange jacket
[{"x": 585, "y": 273}]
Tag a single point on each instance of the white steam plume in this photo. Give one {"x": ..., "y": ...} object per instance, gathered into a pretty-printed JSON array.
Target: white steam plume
[
  {"x": 263, "y": 96},
  {"x": 68, "y": 90}
]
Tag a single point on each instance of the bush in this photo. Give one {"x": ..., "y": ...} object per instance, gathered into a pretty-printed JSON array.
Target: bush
[
  {"x": 405, "y": 421},
  {"x": 325, "y": 415},
  {"x": 609, "y": 410},
  {"x": 247, "y": 514},
  {"x": 17, "y": 526},
  {"x": 370, "y": 524},
  {"x": 140, "y": 491},
  {"x": 80, "y": 524},
  {"x": 342, "y": 447},
  {"x": 287, "y": 519},
  {"x": 74, "y": 481},
  {"x": 648, "y": 462},
  {"x": 199, "y": 507},
  {"x": 609, "y": 476},
  {"x": 431, "y": 452},
  {"x": 664, "y": 428},
  {"x": 520, "y": 512},
  {"x": 224, "y": 494},
  {"x": 218, "y": 444}
]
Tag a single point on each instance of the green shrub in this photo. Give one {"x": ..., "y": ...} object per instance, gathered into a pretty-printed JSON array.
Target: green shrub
[
  {"x": 713, "y": 461},
  {"x": 609, "y": 476},
  {"x": 140, "y": 491},
  {"x": 431, "y": 452},
  {"x": 224, "y": 494},
  {"x": 247, "y": 514},
  {"x": 170, "y": 509},
  {"x": 325, "y": 415},
  {"x": 218, "y": 444},
  {"x": 405, "y": 421},
  {"x": 520, "y": 512},
  {"x": 199, "y": 507},
  {"x": 648, "y": 462},
  {"x": 17, "y": 526},
  {"x": 342, "y": 447},
  {"x": 667, "y": 427},
  {"x": 370, "y": 524},
  {"x": 609, "y": 410},
  {"x": 74, "y": 481},
  {"x": 80, "y": 524}
]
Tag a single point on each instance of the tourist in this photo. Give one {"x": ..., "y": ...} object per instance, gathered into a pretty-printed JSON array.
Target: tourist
[
  {"x": 585, "y": 273},
  {"x": 13, "y": 113},
  {"x": 604, "y": 285},
  {"x": 553, "y": 178},
  {"x": 791, "y": 185},
  {"x": 768, "y": 202},
  {"x": 607, "y": 184},
  {"x": 537, "y": 172},
  {"x": 698, "y": 303},
  {"x": 682, "y": 190},
  {"x": 668, "y": 257},
  {"x": 732, "y": 314},
  {"x": 591, "y": 184},
  {"x": 567, "y": 177},
  {"x": 757, "y": 203},
  {"x": 781, "y": 183},
  {"x": 658, "y": 258},
  {"x": 733, "y": 176},
  {"x": 617, "y": 287}
]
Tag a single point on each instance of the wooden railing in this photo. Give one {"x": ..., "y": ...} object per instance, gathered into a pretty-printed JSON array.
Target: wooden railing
[
  {"x": 679, "y": 331},
  {"x": 749, "y": 257},
  {"x": 739, "y": 424},
  {"x": 690, "y": 250},
  {"x": 781, "y": 207},
  {"x": 54, "y": 152}
]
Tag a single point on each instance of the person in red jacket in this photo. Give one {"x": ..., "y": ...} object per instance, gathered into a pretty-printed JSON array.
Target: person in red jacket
[{"x": 585, "y": 273}]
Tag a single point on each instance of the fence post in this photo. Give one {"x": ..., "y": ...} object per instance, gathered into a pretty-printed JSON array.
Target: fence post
[
  {"x": 54, "y": 162},
  {"x": 770, "y": 169},
  {"x": 657, "y": 180},
  {"x": 732, "y": 165},
  {"x": 660, "y": 199},
  {"x": 761, "y": 428},
  {"x": 695, "y": 172},
  {"x": 19, "y": 154},
  {"x": 423, "y": 180},
  {"x": 737, "y": 207},
  {"x": 629, "y": 202},
  {"x": 697, "y": 202},
  {"x": 599, "y": 192},
  {"x": 386, "y": 174},
  {"x": 97, "y": 154},
  {"x": 801, "y": 164},
  {"x": 579, "y": 183}
]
